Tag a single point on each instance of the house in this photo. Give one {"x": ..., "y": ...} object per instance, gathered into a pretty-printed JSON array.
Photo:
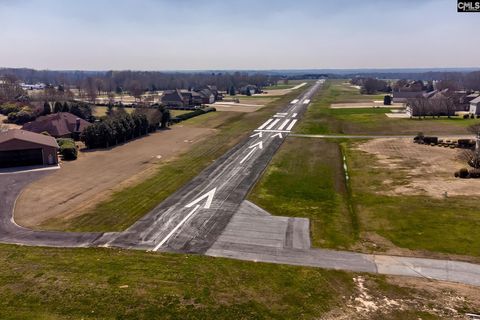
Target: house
[
  {"x": 216, "y": 93},
  {"x": 25, "y": 148},
  {"x": 207, "y": 96},
  {"x": 475, "y": 106},
  {"x": 192, "y": 98},
  {"x": 249, "y": 90},
  {"x": 174, "y": 98},
  {"x": 58, "y": 125},
  {"x": 403, "y": 96}
]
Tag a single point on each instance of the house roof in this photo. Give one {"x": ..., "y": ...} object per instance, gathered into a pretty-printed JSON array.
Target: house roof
[
  {"x": 172, "y": 95},
  {"x": 57, "y": 124},
  {"x": 18, "y": 134},
  {"x": 476, "y": 100}
]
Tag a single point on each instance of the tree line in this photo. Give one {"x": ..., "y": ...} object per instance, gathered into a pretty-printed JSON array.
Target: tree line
[{"x": 114, "y": 130}]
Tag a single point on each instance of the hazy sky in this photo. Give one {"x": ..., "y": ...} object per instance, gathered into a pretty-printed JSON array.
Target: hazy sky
[{"x": 230, "y": 34}]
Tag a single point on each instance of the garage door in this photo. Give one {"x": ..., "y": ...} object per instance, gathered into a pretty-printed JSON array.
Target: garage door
[{"x": 18, "y": 158}]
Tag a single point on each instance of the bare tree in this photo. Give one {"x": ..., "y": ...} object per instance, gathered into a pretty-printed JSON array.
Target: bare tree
[{"x": 10, "y": 88}]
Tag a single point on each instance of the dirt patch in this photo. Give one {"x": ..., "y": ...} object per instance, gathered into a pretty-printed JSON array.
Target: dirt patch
[
  {"x": 401, "y": 297},
  {"x": 428, "y": 170},
  {"x": 95, "y": 175},
  {"x": 8, "y": 125}
]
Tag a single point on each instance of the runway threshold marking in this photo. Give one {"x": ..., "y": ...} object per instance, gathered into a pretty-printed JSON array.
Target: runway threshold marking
[
  {"x": 254, "y": 147},
  {"x": 283, "y": 124},
  {"x": 265, "y": 124},
  {"x": 209, "y": 195},
  {"x": 291, "y": 124},
  {"x": 273, "y": 124}
]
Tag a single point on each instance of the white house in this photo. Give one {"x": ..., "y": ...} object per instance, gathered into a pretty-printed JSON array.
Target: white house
[{"x": 475, "y": 106}]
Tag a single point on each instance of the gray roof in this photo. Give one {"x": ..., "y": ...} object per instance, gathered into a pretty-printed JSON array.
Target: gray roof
[
  {"x": 17, "y": 134},
  {"x": 476, "y": 100}
]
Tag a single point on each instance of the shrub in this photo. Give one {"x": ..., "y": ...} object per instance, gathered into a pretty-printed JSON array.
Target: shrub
[
  {"x": 457, "y": 174},
  {"x": 466, "y": 116},
  {"x": 463, "y": 173},
  {"x": 68, "y": 149},
  {"x": 474, "y": 173},
  {"x": 466, "y": 143},
  {"x": 430, "y": 140},
  {"x": 8, "y": 108}
]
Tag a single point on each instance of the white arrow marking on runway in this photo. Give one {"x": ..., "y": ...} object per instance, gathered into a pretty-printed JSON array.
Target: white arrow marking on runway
[
  {"x": 294, "y": 101},
  {"x": 209, "y": 195},
  {"x": 265, "y": 124},
  {"x": 259, "y": 134},
  {"x": 254, "y": 148},
  {"x": 207, "y": 205},
  {"x": 258, "y": 144},
  {"x": 294, "y": 115},
  {"x": 307, "y": 101},
  {"x": 278, "y": 135}
]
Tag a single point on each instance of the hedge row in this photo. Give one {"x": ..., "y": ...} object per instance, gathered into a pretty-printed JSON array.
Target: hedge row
[
  {"x": 188, "y": 115},
  {"x": 113, "y": 131}
]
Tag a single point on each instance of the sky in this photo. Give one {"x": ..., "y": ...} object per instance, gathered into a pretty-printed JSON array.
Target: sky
[{"x": 230, "y": 34}]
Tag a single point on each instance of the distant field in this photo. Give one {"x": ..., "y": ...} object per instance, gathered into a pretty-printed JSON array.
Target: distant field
[{"x": 320, "y": 119}]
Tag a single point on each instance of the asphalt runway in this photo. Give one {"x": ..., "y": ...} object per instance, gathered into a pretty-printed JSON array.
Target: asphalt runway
[{"x": 193, "y": 218}]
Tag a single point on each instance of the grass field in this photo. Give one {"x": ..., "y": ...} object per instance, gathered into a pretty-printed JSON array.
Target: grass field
[
  {"x": 320, "y": 119},
  {"x": 306, "y": 179},
  {"x": 47, "y": 283},
  {"x": 128, "y": 205},
  {"x": 448, "y": 226},
  {"x": 100, "y": 111}
]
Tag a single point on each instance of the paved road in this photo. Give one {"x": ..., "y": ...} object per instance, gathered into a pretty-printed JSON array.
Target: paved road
[
  {"x": 192, "y": 218},
  {"x": 11, "y": 185}
]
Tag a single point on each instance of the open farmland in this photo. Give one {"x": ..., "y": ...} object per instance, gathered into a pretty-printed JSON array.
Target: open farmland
[{"x": 322, "y": 119}]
